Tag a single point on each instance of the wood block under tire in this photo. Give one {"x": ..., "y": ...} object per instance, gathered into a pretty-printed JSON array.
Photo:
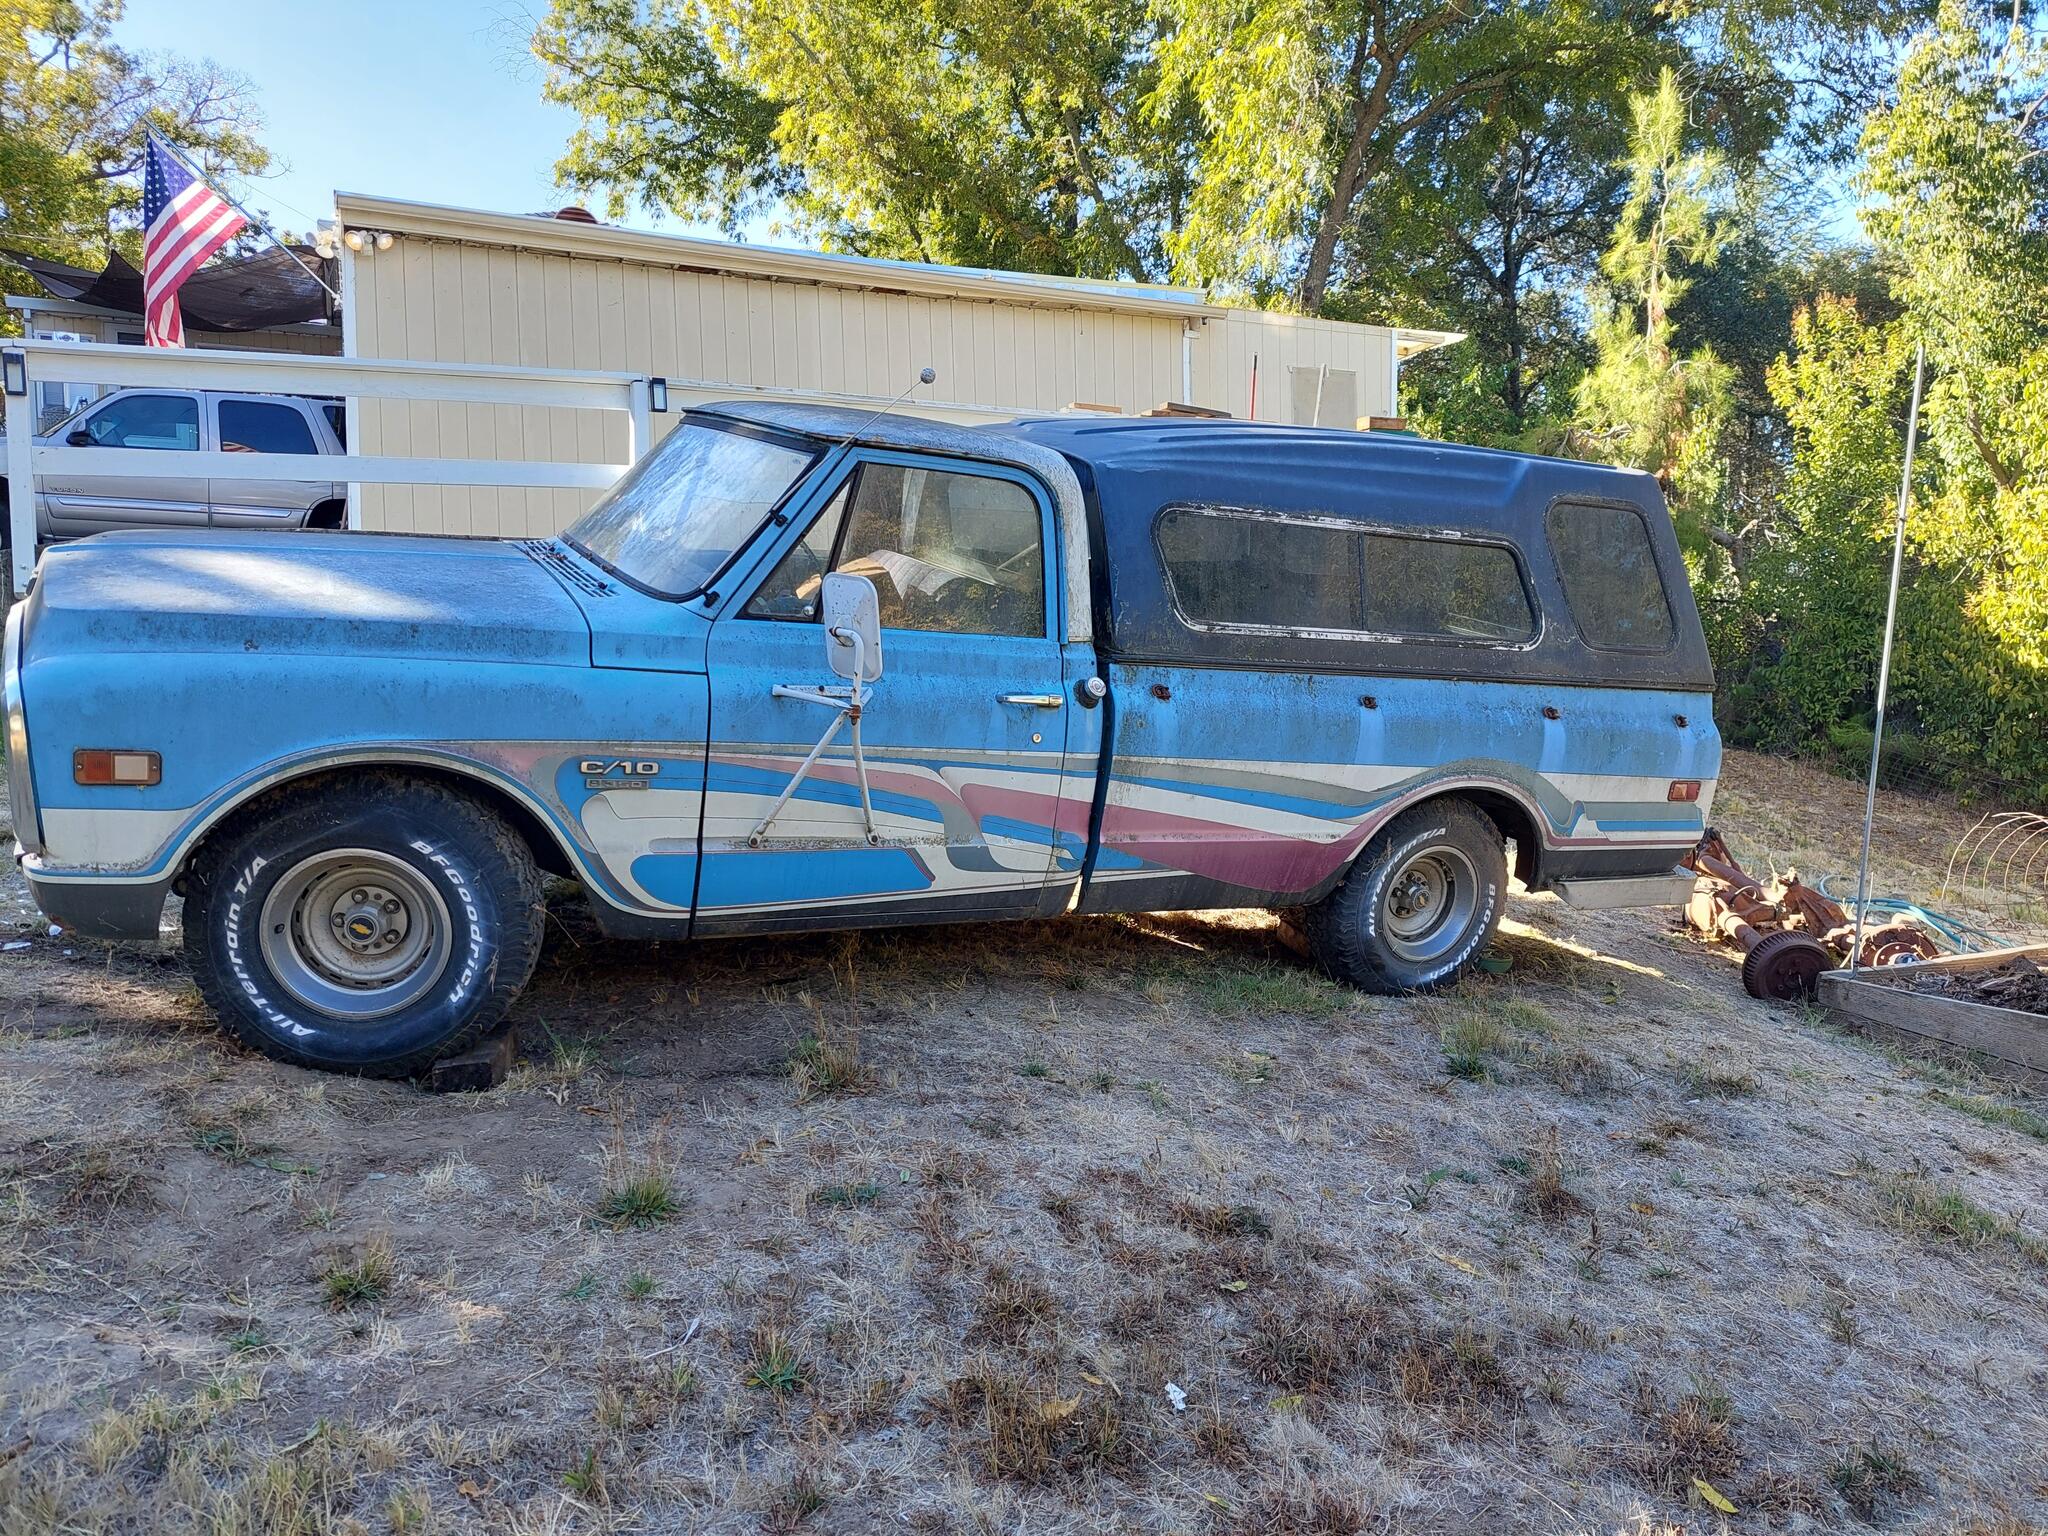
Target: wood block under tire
[{"x": 477, "y": 1070}]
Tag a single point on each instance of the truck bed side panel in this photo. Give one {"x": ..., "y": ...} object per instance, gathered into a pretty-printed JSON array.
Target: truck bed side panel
[{"x": 1238, "y": 787}]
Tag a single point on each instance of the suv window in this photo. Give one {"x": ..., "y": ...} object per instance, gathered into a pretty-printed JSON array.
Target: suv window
[
  {"x": 256, "y": 426},
  {"x": 1609, "y": 569},
  {"x": 147, "y": 421},
  {"x": 947, "y": 551},
  {"x": 1240, "y": 569}
]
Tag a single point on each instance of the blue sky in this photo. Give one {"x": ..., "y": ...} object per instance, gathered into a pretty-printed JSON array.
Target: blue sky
[{"x": 432, "y": 100}]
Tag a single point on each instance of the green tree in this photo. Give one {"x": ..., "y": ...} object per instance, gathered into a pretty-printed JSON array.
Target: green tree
[
  {"x": 1645, "y": 404},
  {"x": 1958, "y": 186},
  {"x": 74, "y": 107},
  {"x": 965, "y": 131}
]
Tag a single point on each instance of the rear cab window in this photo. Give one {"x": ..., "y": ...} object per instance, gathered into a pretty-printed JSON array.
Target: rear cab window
[
  {"x": 1246, "y": 569},
  {"x": 1608, "y": 566}
]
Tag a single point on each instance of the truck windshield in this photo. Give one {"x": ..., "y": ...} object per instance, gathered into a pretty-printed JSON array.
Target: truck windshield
[{"x": 679, "y": 514}]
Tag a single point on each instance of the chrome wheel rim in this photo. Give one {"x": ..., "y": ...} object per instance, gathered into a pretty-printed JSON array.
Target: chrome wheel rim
[
  {"x": 355, "y": 934},
  {"x": 1428, "y": 905}
]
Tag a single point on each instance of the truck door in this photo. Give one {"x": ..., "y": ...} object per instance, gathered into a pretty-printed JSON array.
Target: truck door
[
  {"x": 161, "y": 425},
  {"x": 964, "y": 734},
  {"x": 253, "y": 424}
]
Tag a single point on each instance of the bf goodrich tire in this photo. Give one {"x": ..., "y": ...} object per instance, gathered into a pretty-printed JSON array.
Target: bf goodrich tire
[
  {"x": 366, "y": 925},
  {"x": 1418, "y": 904}
]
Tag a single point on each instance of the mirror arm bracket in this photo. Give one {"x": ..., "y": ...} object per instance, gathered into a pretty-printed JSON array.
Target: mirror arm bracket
[{"x": 847, "y": 701}]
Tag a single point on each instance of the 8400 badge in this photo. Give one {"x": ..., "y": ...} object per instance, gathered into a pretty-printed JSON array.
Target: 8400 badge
[{"x": 617, "y": 772}]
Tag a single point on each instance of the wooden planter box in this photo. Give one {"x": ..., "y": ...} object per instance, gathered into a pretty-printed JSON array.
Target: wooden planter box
[{"x": 1883, "y": 1001}]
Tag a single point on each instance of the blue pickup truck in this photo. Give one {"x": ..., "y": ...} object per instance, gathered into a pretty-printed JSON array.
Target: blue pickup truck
[{"x": 802, "y": 669}]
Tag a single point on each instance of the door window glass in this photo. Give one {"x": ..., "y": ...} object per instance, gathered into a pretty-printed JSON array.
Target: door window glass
[
  {"x": 1609, "y": 570},
  {"x": 147, "y": 421},
  {"x": 952, "y": 552},
  {"x": 791, "y": 590},
  {"x": 257, "y": 426}
]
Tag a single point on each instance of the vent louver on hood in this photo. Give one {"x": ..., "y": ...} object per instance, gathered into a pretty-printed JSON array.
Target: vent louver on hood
[{"x": 546, "y": 553}]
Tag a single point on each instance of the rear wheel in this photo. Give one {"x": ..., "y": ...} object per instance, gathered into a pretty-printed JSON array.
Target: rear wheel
[
  {"x": 368, "y": 926},
  {"x": 1420, "y": 902}
]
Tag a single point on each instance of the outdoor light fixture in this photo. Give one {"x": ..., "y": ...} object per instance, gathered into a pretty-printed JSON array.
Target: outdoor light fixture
[
  {"x": 385, "y": 240},
  {"x": 16, "y": 365},
  {"x": 354, "y": 240},
  {"x": 657, "y": 395}
]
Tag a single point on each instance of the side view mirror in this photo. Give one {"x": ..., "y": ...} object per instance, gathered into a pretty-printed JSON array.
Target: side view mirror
[
  {"x": 80, "y": 439},
  {"x": 853, "y": 627}
]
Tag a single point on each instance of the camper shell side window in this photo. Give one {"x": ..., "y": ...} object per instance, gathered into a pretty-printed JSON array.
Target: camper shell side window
[
  {"x": 1256, "y": 571},
  {"x": 1607, "y": 564}
]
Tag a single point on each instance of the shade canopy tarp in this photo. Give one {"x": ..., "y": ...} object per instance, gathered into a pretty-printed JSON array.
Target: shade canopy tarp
[{"x": 246, "y": 293}]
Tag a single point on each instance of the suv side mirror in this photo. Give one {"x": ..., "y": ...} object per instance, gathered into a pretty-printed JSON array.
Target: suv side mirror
[
  {"x": 853, "y": 627},
  {"x": 80, "y": 439}
]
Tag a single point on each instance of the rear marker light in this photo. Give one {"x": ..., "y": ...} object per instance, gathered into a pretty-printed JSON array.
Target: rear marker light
[
  {"x": 102, "y": 765},
  {"x": 1683, "y": 791}
]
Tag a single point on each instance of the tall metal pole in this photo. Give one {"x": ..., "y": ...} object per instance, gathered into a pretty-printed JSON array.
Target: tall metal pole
[{"x": 1884, "y": 663}]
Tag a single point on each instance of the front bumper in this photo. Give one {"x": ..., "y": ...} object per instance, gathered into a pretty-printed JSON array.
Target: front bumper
[{"x": 99, "y": 909}]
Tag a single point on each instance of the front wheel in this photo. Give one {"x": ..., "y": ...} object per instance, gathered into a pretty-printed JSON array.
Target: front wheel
[
  {"x": 1420, "y": 902},
  {"x": 364, "y": 926}
]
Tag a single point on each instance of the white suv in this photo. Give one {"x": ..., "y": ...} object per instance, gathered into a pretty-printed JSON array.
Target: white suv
[{"x": 162, "y": 423}]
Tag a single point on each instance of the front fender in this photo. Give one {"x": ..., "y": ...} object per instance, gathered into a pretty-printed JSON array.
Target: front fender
[{"x": 511, "y": 728}]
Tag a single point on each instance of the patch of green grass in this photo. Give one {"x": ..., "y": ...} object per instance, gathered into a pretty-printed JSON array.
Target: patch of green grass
[
  {"x": 1873, "y": 1478},
  {"x": 1102, "y": 1082},
  {"x": 823, "y": 1062},
  {"x": 1251, "y": 1068},
  {"x": 1418, "y": 1195},
  {"x": 1993, "y": 1112},
  {"x": 586, "y": 1478},
  {"x": 1483, "y": 1023},
  {"x": 365, "y": 1278},
  {"x": 796, "y": 1501},
  {"x": 778, "y": 1366},
  {"x": 584, "y": 1288},
  {"x": 638, "y": 1286},
  {"x": 1723, "y": 1080},
  {"x": 247, "y": 1339},
  {"x": 1035, "y": 1068},
  {"x": 1263, "y": 990},
  {"x": 849, "y": 1194},
  {"x": 645, "y": 1200},
  {"x": 1915, "y": 1206}
]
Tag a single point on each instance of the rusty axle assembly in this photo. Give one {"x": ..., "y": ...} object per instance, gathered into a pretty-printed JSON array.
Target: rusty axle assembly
[{"x": 1788, "y": 932}]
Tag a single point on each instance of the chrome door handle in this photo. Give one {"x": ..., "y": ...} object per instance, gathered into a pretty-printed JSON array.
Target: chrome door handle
[{"x": 1041, "y": 700}]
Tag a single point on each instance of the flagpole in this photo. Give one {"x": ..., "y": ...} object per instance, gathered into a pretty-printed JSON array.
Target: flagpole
[
  {"x": 1884, "y": 664},
  {"x": 171, "y": 150}
]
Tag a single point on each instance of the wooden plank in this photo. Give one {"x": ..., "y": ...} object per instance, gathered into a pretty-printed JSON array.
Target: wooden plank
[
  {"x": 2008, "y": 1034},
  {"x": 1986, "y": 960}
]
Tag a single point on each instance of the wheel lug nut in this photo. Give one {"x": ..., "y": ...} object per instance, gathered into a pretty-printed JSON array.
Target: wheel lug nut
[
  {"x": 359, "y": 897},
  {"x": 390, "y": 935},
  {"x": 390, "y": 903}
]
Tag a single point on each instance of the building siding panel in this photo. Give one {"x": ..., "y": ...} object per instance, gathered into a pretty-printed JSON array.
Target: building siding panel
[{"x": 440, "y": 299}]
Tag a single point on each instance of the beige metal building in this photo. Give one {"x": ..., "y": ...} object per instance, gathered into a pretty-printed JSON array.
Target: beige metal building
[{"x": 717, "y": 319}]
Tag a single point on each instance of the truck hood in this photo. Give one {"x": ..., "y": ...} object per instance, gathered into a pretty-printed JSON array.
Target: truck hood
[{"x": 309, "y": 594}]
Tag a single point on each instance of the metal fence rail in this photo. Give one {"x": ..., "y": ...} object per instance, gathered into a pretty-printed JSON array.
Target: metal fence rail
[{"x": 27, "y": 363}]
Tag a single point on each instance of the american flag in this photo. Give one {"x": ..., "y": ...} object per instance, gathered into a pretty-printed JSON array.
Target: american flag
[{"x": 184, "y": 221}]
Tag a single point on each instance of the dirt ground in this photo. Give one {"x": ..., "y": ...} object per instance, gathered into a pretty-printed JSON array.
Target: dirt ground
[{"x": 1079, "y": 1226}]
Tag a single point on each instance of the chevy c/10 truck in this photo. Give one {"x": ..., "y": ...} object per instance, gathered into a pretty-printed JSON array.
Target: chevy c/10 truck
[{"x": 802, "y": 669}]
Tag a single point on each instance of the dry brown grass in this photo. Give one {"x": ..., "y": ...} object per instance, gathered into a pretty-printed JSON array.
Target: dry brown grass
[{"x": 902, "y": 1283}]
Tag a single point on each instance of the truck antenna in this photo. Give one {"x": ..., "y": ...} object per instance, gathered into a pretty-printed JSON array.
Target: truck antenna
[{"x": 925, "y": 375}]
